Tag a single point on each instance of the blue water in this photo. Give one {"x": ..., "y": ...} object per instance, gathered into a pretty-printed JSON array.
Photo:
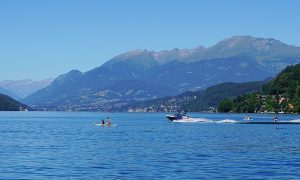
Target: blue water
[{"x": 53, "y": 145}]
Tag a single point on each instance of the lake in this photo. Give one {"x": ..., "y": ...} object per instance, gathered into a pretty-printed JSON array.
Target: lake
[{"x": 54, "y": 145}]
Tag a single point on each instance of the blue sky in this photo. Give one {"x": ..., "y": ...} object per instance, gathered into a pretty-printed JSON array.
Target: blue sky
[{"x": 45, "y": 38}]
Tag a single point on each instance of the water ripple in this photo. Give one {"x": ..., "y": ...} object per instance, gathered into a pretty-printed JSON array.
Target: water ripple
[{"x": 145, "y": 146}]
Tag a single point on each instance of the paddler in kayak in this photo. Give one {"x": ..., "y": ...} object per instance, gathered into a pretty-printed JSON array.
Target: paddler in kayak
[
  {"x": 108, "y": 121},
  {"x": 102, "y": 122}
]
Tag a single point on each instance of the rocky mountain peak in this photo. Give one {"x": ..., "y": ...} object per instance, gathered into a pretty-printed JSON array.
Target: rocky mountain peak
[
  {"x": 133, "y": 54},
  {"x": 250, "y": 42}
]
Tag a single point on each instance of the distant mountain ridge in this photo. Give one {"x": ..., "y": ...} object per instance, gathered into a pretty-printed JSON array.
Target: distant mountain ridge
[
  {"x": 23, "y": 88},
  {"x": 237, "y": 59},
  {"x": 262, "y": 49},
  {"x": 8, "y": 93}
]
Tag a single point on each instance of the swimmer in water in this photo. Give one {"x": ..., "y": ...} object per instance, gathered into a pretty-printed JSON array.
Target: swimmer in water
[{"x": 275, "y": 118}]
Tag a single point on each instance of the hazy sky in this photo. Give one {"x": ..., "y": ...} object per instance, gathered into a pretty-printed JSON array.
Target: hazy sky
[{"x": 44, "y": 38}]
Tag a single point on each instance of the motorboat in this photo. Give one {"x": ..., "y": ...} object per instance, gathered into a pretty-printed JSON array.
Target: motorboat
[{"x": 178, "y": 116}]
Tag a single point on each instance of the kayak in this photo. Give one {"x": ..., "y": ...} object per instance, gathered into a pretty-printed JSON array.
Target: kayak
[
  {"x": 103, "y": 125},
  {"x": 98, "y": 124}
]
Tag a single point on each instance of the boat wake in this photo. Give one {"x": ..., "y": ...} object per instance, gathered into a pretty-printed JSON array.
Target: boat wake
[
  {"x": 227, "y": 121},
  {"x": 295, "y": 121},
  {"x": 232, "y": 121},
  {"x": 204, "y": 120},
  {"x": 194, "y": 120}
]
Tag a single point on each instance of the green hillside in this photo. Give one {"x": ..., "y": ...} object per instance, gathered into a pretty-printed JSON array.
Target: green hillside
[
  {"x": 9, "y": 104},
  {"x": 282, "y": 94},
  {"x": 215, "y": 94},
  {"x": 197, "y": 101}
]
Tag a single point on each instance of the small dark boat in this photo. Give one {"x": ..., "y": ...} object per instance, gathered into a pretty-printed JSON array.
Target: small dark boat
[{"x": 178, "y": 116}]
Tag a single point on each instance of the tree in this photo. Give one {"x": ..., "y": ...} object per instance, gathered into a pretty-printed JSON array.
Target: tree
[{"x": 226, "y": 105}]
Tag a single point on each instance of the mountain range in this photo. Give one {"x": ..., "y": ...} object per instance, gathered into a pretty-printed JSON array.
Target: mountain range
[{"x": 142, "y": 75}]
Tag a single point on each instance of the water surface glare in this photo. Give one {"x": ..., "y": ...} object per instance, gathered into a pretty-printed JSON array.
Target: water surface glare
[{"x": 44, "y": 145}]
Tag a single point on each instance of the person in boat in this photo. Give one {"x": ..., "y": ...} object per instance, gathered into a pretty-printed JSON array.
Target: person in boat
[
  {"x": 180, "y": 114},
  {"x": 102, "y": 122},
  {"x": 108, "y": 121},
  {"x": 184, "y": 113}
]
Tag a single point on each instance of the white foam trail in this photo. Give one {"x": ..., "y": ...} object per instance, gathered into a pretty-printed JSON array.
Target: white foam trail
[
  {"x": 227, "y": 121},
  {"x": 194, "y": 120},
  {"x": 295, "y": 121},
  {"x": 204, "y": 120}
]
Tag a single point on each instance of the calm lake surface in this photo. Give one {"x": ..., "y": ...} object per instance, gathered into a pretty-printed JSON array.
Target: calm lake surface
[{"x": 52, "y": 145}]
